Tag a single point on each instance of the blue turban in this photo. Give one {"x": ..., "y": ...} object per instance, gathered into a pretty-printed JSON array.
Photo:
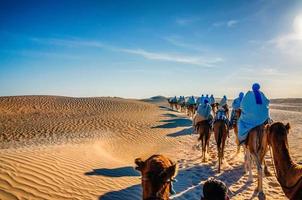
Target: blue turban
[
  {"x": 257, "y": 93},
  {"x": 241, "y": 95}
]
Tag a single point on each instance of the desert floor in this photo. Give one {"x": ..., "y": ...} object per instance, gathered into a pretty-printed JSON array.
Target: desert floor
[{"x": 83, "y": 148}]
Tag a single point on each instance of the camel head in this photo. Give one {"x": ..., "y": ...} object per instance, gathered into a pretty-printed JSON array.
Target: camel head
[
  {"x": 277, "y": 132},
  {"x": 157, "y": 174}
]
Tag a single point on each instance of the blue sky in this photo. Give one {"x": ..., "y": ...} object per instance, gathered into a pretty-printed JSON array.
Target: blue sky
[{"x": 146, "y": 48}]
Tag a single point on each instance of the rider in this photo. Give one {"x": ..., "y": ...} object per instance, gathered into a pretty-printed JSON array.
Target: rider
[
  {"x": 207, "y": 98},
  {"x": 223, "y": 110},
  {"x": 212, "y": 100},
  {"x": 200, "y": 99},
  {"x": 236, "y": 106},
  {"x": 191, "y": 100},
  {"x": 254, "y": 111},
  {"x": 174, "y": 100},
  {"x": 203, "y": 113}
]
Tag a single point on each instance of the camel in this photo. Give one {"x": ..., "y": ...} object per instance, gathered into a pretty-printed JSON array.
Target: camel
[
  {"x": 214, "y": 108},
  {"x": 235, "y": 126},
  {"x": 157, "y": 172},
  {"x": 182, "y": 106},
  {"x": 173, "y": 104},
  {"x": 221, "y": 132},
  {"x": 191, "y": 110},
  {"x": 256, "y": 147},
  {"x": 204, "y": 130},
  {"x": 288, "y": 173}
]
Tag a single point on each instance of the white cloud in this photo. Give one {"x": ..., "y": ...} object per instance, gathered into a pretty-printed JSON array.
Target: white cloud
[
  {"x": 176, "y": 41},
  {"x": 186, "y": 21},
  {"x": 229, "y": 24},
  {"x": 232, "y": 23},
  {"x": 205, "y": 61},
  {"x": 194, "y": 60}
]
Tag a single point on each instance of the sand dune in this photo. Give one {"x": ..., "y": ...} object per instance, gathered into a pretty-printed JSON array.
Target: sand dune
[{"x": 83, "y": 148}]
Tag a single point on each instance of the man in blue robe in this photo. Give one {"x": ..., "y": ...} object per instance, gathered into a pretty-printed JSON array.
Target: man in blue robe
[{"x": 254, "y": 112}]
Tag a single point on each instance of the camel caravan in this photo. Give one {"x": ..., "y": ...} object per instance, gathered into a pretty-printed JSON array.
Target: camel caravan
[{"x": 255, "y": 132}]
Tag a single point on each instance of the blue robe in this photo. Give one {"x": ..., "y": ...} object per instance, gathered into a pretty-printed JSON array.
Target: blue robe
[
  {"x": 204, "y": 110},
  {"x": 212, "y": 100},
  {"x": 252, "y": 114}
]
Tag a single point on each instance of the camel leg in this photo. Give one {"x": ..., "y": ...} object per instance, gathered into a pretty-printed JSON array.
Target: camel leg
[
  {"x": 260, "y": 175},
  {"x": 248, "y": 164},
  {"x": 203, "y": 148},
  {"x": 208, "y": 144},
  {"x": 237, "y": 140},
  {"x": 219, "y": 159},
  {"x": 266, "y": 171}
]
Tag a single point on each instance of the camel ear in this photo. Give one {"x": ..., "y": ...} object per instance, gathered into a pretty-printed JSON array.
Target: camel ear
[
  {"x": 169, "y": 173},
  {"x": 266, "y": 128},
  {"x": 287, "y": 126},
  {"x": 139, "y": 164}
]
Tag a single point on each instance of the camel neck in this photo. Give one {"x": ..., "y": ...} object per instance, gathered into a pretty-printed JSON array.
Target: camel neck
[{"x": 285, "y": 167}]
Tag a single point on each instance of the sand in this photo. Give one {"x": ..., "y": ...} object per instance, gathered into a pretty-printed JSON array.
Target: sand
[{"x": 83, "y": 148}]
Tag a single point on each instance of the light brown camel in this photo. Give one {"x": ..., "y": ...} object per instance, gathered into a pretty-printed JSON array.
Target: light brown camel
[
  {"x": 288, "y": 173},
  {"x": 182, "y": 106},
  {"x": 173, "y": 104},
  {"x": 203, "y": 128},
  {"x": 221, "y": 132},
  {"x": 235, "y": 126},
  {"x": 191, "y": 110},
  {"x": 157, "y": 174},
  {"x": 256, "y": 147}
]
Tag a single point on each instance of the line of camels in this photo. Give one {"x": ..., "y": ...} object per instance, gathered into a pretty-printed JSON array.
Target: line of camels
[{"x": 158, "y": 172}]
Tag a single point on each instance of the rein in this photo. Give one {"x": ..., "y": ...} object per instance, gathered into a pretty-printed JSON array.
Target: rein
[{"x": 158, "y": 195}]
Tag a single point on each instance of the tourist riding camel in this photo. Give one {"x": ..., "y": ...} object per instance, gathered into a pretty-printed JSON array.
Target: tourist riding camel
[
  {"x": 173, "y": 102},
  {"x": 214, "y": 189},
  {"x": 212, "y": 99},
  {"x": 200, "y": 100},
  {"x": 207, "y": 98},
  {"x": 213, "y": 104},
  {"x": 235, "y": 114},
  {"x": 191, "y": 104},
  {"x": 158, "y": 174},
  {"x": 254, "y": 116},
  {"x": 202, "y": 125},
  {"x": 288, "y": 173},
  {"x": 223, "y": 104},
  {"x": 181, "y": 103}
]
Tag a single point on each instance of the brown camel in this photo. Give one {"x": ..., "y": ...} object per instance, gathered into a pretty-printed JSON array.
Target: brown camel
[
  {"x": 288, "y": 173},
  {"x": 235, "y": 126},
  {"x": 214, "y": 108},
  {"x": 256, "y": 147},
  {"x": 157, "y": 174},
  {"x": 221, "y": 132},
  {"x": 203, "y": 128}
]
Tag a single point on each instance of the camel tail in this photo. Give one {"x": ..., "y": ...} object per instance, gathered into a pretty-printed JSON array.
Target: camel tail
[
  {"x": 220, "y": 132},
  {"x": 260, "y": 133}
]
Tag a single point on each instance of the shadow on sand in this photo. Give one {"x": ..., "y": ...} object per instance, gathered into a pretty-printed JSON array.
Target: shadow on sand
[
  {"x": 167, "y": 109},
  {"x": 130, "y": 193},
  {"x": 189, "y": 184},
  {"x": 174, "y": 123},
  {"x": 186, "y": 131},
  {"x": 169, "y": 115},
  {"x": 117, "y": 172}
]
